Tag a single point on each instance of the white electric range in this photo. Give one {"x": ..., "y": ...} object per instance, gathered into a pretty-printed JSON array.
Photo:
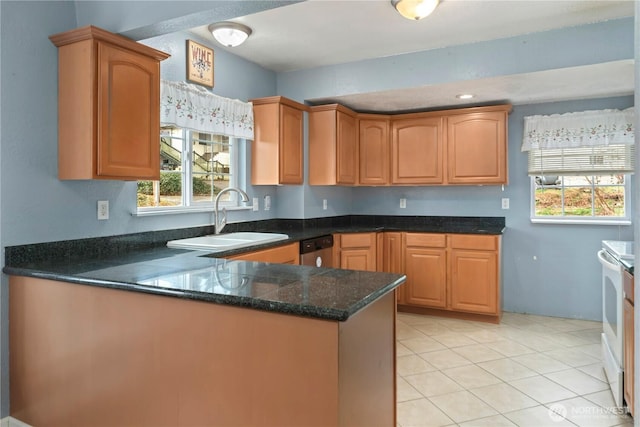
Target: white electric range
[{"x": 615, "y": 256}]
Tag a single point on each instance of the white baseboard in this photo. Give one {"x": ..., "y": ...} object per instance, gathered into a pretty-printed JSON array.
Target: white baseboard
[{"x": 12, "y": 422}]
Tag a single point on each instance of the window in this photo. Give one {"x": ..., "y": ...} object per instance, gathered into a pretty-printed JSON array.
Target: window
[
  {"x": 206, "y": 161},
  {"x": 580, "y": 198},
  {"x": 198, "y": 149},
  {"x": 580, "y": 166}
]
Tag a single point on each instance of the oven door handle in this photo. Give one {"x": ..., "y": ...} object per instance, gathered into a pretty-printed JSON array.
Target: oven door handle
[{"x": 602, "y": 256}]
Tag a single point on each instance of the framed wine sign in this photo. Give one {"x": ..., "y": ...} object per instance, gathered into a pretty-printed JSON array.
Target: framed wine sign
[{"x": 199, "y": 64}]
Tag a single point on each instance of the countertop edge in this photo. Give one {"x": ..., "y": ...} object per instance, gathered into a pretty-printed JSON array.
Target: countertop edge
[{"x": 333, "y": 314}]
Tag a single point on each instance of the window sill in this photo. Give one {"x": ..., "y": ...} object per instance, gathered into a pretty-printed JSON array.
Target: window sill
[
  {"x": 576, "y": 221},
  {"x": 183, "y": 210}
]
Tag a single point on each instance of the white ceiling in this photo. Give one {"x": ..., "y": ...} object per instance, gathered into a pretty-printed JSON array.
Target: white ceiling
[{"x": 317, "y": 33}]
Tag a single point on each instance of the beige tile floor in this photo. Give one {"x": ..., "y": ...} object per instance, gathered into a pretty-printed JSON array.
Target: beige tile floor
[{"x": 527, "y": 371}]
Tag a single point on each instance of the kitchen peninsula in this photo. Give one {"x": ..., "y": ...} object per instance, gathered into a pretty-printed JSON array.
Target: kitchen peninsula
[
  {"x": 124, "y": 331},
  {"x": 138, "y": 341}
]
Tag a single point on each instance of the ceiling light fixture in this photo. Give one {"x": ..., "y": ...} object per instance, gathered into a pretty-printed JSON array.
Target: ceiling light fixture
[
  {"x": 465, "y": 96},
  {"x": 230, "y": 34},
  {"x": 415, "y": 9}
]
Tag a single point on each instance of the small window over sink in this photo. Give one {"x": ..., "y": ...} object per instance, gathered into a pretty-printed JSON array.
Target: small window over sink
[{"x": 194, "y": 168}]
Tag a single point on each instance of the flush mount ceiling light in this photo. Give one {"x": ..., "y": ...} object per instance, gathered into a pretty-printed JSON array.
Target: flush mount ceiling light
[
  {"x": 465, "y": 96},
  {"x": 415, "y": 9},
  {"x": 230, "y": 34}
]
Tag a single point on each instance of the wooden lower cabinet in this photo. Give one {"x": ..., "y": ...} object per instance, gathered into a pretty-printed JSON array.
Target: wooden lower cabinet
[
  {"x": 355, "y": 251},
  {"x": 90, "y": 356},
  {"x": 451, "y": 273},
  {"x": 426, "y": 270},
  {"x": 474, "y": 281},
  {"x": 287, "y": 254},
  {"x": 629, "y": 341}
]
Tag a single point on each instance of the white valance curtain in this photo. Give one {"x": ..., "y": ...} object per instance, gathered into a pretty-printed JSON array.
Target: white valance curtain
[
  {"x": 583, "y": 143},
  {"x": 192, "y": 107},
  {"x": 581, "y": 129}
]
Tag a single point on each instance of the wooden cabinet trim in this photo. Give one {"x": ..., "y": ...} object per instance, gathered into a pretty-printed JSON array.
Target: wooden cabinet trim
[
  {"x": 426, "y": 240},
  {"x": 452, "y": 112},
  {"x": 279, "y": 100},
  {"x": 357, "y": 240},
  {"x": 469, "y": 241},
  {"x": 91, "y": 32},
  {"x": 286, "y": 254}
]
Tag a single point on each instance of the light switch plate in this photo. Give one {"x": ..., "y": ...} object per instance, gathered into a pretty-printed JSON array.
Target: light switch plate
[
  {"x": 267, "y": 203},
  {"x": 403, "y": 203},
  {"x": 256, "y": 204},
  {"x": 324, "y": 204},
  {"x": 505, "y": 203}
]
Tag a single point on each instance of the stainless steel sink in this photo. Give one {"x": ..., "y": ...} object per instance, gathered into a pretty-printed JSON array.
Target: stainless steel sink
[{"x": 224, "y": 242}]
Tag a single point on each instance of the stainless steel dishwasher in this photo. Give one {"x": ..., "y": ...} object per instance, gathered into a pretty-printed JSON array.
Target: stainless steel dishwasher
[{"x": 317, "y": 252}]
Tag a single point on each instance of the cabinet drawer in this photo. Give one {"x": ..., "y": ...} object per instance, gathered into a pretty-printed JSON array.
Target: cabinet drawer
[
  {"x": 628, "y": 286},
  {"x": 467, "y": 241},
  {"x": 426, "y": 240},
  {"x": 357, "y": 240}
]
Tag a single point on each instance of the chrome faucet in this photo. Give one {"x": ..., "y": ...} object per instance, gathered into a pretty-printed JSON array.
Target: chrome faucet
[{"x": 221, "y": 222}]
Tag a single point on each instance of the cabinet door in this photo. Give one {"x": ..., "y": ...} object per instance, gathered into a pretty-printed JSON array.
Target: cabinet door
[
  {"x": 392, "y": 259},
  {"x": 474, "y": 281},
  {"x": 374, "y": 152},
  {"x": 629, "y": 352},
  {"x": 477, "y": 148},
  {"x": 426, "y": 271},
  {"x": 416, "y": 151},
  {"x": 128, "y": 103},
  {"x": 358, "y": 251},
  {"x": 347, "y": 146},
  {"x": 358, "y": 259},
  {"x": 290, "y": 145}
]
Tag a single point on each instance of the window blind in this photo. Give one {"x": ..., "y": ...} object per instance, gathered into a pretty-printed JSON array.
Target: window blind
[{"x": 594, "y": 160}]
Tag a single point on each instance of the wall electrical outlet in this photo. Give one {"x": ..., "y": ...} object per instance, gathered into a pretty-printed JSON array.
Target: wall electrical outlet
[
  {"x": 267, "y": 203},
  {"x": 505, "y": 203},
  {"x": 103, "y": 209},
  {"x": 403, "y": 203},
  {"x": 324, "y": 204},
  {"x": 256, "y": 204}
]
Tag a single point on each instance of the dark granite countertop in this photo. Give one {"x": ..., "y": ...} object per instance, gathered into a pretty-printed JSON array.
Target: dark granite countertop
[
  {"x": 323, "y": 293},
  {"x": 141, "y": 262}
]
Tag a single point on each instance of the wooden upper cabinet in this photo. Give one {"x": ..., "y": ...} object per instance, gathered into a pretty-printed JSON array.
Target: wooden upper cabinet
[
  {"x": 277, "y": 148},
  {"x": 108, "y": 106},
  {"x": 417, "y": 150},
  {"x": 374, "y": 149},
  {"x": 333, "y": 145},
  {"x": 477, "y": 147}
]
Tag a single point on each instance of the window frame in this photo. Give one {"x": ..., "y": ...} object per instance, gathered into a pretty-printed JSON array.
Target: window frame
[
  {"x": 188, "y": 204},
  {"x": 582, "y": 220}
]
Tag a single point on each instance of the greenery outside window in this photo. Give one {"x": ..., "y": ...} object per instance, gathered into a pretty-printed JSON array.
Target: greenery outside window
[
  {"x": 585, "y": 198},
  {"x": 194, "y": 168}
]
